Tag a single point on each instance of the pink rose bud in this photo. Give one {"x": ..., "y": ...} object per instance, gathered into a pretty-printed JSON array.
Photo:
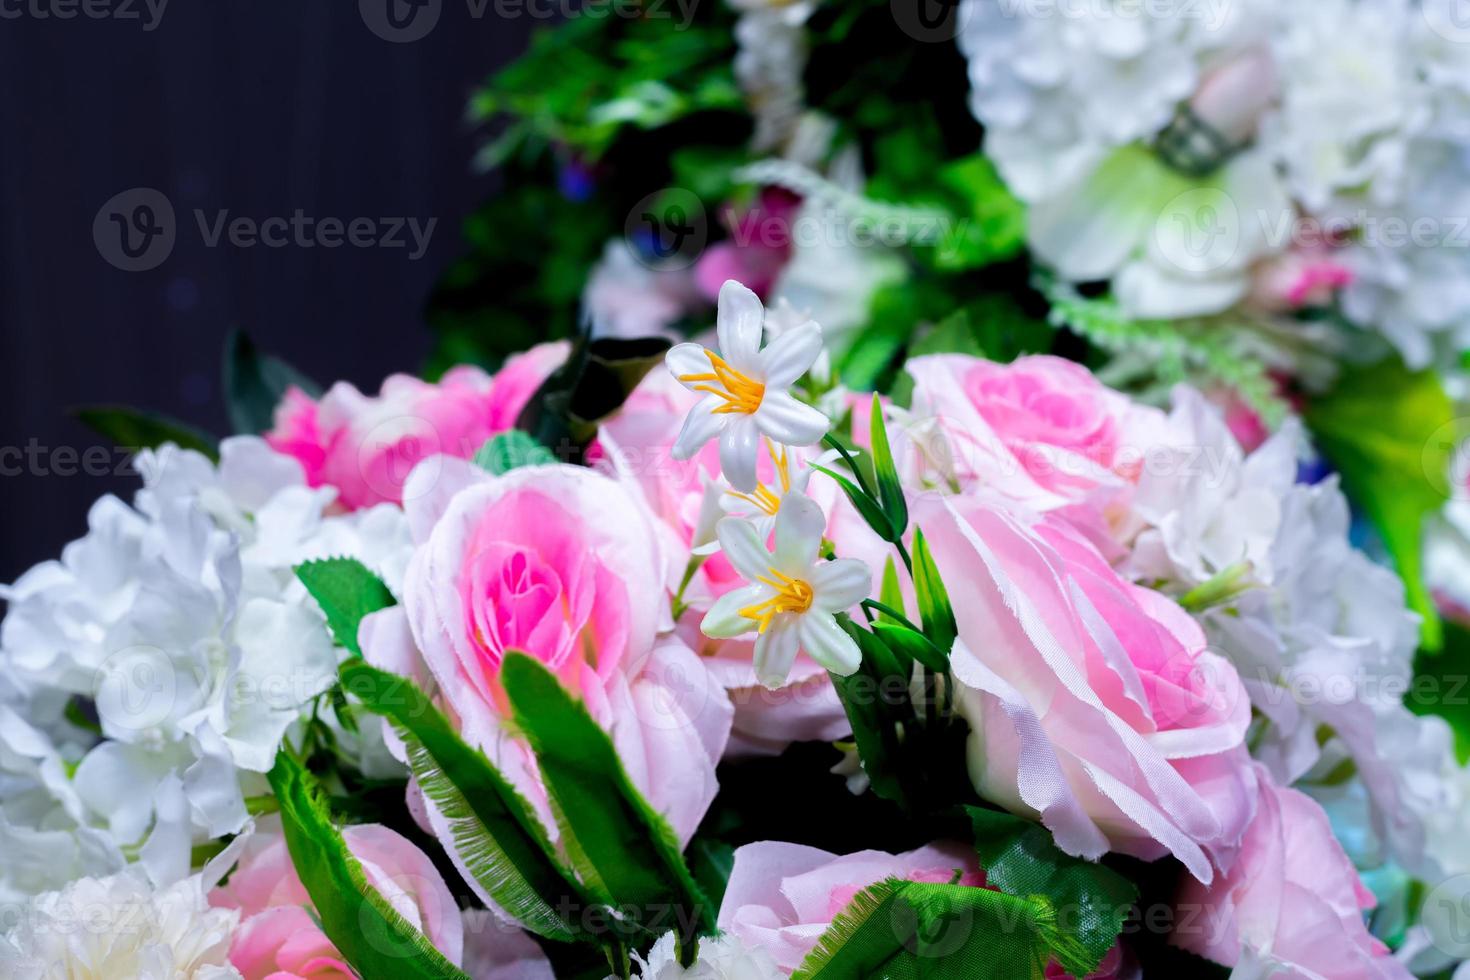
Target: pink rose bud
[{"x": 1233, "y": 97}]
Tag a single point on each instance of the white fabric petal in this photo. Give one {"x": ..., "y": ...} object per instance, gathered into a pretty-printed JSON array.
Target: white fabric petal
[
  {"x": 789, "y": 421},
  {"x": 724, "y": 622},
  {"x": 826, "y": 643},
  {"x": 799, "y": 526},
  {"x": 686, "y": 359},
  {"x": 739, "y": 325},
  {"x": 791, "y": 355},
  {"x": 700, "y": 427},
  {"x": 840, "y": 584},
  {"x": 742, "y": 544},
  {"x": 776, "y": 650},
  {"x": 739, "y": 444}
]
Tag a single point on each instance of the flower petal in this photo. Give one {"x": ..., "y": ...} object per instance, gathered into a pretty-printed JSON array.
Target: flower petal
[
  {"x": 739, "y": 324},
  {"x": 687, "y": 359},
  {"x": 745, "y": 548},
  {"x": 723, "y": 621},
  {"x": 840, "y": 584},
  {"x": 789, "y": 421},
  {"x": 700, "y": 427},
  {"x": 791, "y": 355},
  {"x": 776, "y": 650},
  {"x": 799, "y": 526},
  {"x": 826, "y": 643},
  {"x": 739, "y": 444}
]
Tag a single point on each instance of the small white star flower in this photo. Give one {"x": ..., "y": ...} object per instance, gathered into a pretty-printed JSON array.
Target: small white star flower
[
  {"x": 759, "y": 506},
  {"x": 746, "y": 388},
  {"x": 793, "y": 598}
]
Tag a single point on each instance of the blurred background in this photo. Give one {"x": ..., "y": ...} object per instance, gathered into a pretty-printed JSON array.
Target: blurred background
[{"x": 255, "y": 110}]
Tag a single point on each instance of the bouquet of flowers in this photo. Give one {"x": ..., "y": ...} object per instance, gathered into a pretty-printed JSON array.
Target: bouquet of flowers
[{"x": 942, "y": 564}]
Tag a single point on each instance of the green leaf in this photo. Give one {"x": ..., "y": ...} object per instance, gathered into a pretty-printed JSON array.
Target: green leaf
[
  {"x": 495, "y": 832},
  {"x": 890, "y": 593},
  {"x": 908, "y": 930},
  {"x": 1021, "y": 858},
  {"x": 132, "y": 429},
  {"x": 619, "y": 845},
  {"x": 512, "y": 450},
  {"x": 374, "y": 939},
  {"x": 347, "y": 591},
  {"x": 992, "y": 221},
  {"x": 255, "y": 384},
  {"x": 890, "y": 487},
  {"x": 874, "y": 697},
  {"x": 934, "y": 608},
  {"x": 1442, "y": 685},
  {"x": 594, "y": 382},
  {"x": 870, "y": 509},
  {"x": 1378, "y": 426},
  {"x": 912, "y": 645}
]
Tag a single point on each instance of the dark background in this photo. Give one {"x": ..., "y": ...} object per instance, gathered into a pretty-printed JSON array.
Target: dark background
[{"x": 256, "y": 106}]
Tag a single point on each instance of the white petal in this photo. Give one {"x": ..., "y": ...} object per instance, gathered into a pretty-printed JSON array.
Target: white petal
[
  {"x": 739, "y": 326},
  {"x": 826, "y": 643},
  {"x": 789, "y": 421},
  {"x": 791, "y": 355},
  {"x": 776, "y": 650},
  {"x": 700, "y": 427},
  {"x": 745, "y": 548},
  {"x": 840, "y": 584},
  {"x": 799, "y": 526},
  {"x": 739, "y": 444},
  {"x": 686, "y": 359},
  {"x": 723, "y": 621}
]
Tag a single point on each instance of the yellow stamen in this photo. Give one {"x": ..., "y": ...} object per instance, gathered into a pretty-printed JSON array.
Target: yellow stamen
[
  {"x": 762, "y": 499},
  {"x": 742, "y": 394},
  {"x": 792, "y": 595}
]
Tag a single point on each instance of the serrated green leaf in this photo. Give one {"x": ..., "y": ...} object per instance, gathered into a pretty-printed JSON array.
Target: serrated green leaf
[
  {"x": 890, "y": 487},
  {"x": 512, "y": 450},
  {"x": 914, "y": 646},
  {"x": 619, "y": 845},
  {"x": 494, "y": 830},
  {"x": 255, "y": 383},
  {"x": 346, "y": 591},
  {"x": 374, "y": 939},
  {"x": 934, "y": 608},
  {"x": 866, "y": 506},
  {"x": 130, "y": 428},
  {"x": 1021, "y": 858}
]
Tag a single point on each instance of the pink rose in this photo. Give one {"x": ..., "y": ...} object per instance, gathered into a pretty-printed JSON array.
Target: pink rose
[
  {"x": 1093, "y": 703},
  {"x": 1292, "y": 901},
  {"x": 782, "y": 897},
  {"x": 365, "y": 446},
  {"x": 565, "y": 565},
  {"x": 277, "y": 938}
]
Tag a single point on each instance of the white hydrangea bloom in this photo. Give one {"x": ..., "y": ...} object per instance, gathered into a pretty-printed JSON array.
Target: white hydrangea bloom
[
  {"x": 182, "y": 622},
  {"x": 770, "y": 60},
  {"x": 120, "y": 926},
  {"x": 720, "y": 958}
]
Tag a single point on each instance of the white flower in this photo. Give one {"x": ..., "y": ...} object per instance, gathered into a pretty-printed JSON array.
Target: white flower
[
  {"x": 119, "y": 926},
  {"x": 720, "y": 958},
  {"x": 770, "y": 58},
  {"x": 794, "y": 598},
  {"x": 746, "y": 389},
  {"x": 791, "y": 474}
]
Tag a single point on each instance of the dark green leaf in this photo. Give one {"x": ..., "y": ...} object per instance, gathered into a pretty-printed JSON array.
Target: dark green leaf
[
  {"x": 934, "y": 607},
  {"x": 512, "y": 450},
  {"x": 874, "y": 697},
  {"x": 132, "y": 429},
  {"x": 374, "y": 939},
  {"x": 1442, "y": 685},
  {"x": 347, "y": 591},
  {"x": 495, "y": 832},
  {"x": 255, "y": 384},
  {"x": 593, "y": 384},
  {"x": 870, "y": 509},
  {"x": 890, "y": 487},
  {"x": 912, "y": 645}
]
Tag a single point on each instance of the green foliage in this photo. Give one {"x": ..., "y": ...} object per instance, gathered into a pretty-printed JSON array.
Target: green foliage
[
  {"x": 934, "y": 606},
  {"x": 870, "y": 510},
  {"x": 254, "y": 384},
  {"x": 512, "y": 450},
  {"x": 1021, "y": 858},
  {"x": 374, "y": 939},
  {"x": 913, "y": 645},
  {"x": 621, "y": 848},
  {"x": 1378, "y": 426},
  {"x": 495, "y": 832},
  {"x": 1442, "y": 685},
  {"x": 347, "y": 591},
  {"x": 890, "y": 487},
  {"x": 132, "y": 429}
]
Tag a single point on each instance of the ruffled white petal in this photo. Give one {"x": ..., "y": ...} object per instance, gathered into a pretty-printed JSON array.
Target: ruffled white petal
[
  {"x": 799, "y": 526},
  {"x": 776, "y": 650},
  {"x": 789, "y": 421},
  {"x": 791, "y": 355},
  {"x": 739, "y": 325},
  {"x": 739, "y": 444},
  {"x": 743, "y": 545},
  {"x": 840, "y": 584},
  {"x": 826, "y": 643},
  {"x": 700, "y": 427}
]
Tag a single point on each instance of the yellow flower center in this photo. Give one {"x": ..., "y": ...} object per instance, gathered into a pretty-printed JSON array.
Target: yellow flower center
[
  {"x": 741, "y": 393},
  {"x": 792, "y": 595},
  {"x": 764, "y": 499}
]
